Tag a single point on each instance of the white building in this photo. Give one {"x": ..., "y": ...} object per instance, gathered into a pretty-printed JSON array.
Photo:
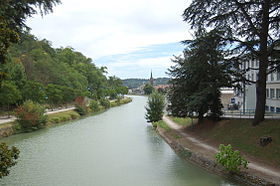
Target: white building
[{"x": 272, "y": 90}]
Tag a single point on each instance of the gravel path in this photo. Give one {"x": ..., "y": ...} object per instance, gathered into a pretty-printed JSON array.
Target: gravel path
[
  {"x": 256, "y": 167},
  {"x": 12, "y": 118}
]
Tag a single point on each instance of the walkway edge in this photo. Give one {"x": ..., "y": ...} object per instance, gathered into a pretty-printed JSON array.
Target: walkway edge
[{"x": 209, "y": 164}]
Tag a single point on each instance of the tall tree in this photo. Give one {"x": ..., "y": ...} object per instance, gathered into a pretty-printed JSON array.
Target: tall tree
[
  {"x": 252, "y": 26},
  {"x": 13, "y": 15},
  {"x": 197, "y": 78}
]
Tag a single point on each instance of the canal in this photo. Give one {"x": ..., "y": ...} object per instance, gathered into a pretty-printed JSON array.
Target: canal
[{"x": 115, "y": 148}]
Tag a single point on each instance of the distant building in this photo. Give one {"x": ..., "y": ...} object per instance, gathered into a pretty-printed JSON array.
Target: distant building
[
  {"x": 247, "y": 99},
  {"x": 151, "y": 79}
]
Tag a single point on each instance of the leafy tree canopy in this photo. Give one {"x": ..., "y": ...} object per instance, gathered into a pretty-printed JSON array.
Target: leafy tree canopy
[{"x": 253, "y": 29}]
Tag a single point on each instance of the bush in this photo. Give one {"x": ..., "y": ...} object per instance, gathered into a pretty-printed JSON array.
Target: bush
[
  {"x": 94, "y": 106},
  {"x": 31, "y": 116},
  {"x": 7, "y": 158},
  {"x": 230, "y": 159},
  {"x": 80, "y": 105},
  {"x": 105, "y": 103},
  {"x": 155, "y": 107}
]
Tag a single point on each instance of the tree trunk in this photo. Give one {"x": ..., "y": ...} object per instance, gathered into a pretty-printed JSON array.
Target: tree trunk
[
  {"x": 263, "y": 59},
  {"x": 261, "y": 95}
]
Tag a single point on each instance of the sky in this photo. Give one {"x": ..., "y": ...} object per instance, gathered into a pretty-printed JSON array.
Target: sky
[{"x": 129, "y": 37}]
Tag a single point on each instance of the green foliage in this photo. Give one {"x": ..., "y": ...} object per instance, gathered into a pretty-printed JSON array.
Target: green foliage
[
  {"x": 9, "y": 94},
  {"x": 115, "y": 87},
  {"x": 105, "y": 103},
  {"x": 62, "y": 117},
  {"x": 34, "y": 91},
  {"x": 80, "y": 106},
  {"x": 31, "y": 116},
  {"x": 250, "y": 28},
  {"x": 54, "y": 94},
  {"x": 197, "y": 78},
  {"x": 94, "y": 105},
  {"x": 155, "y": 107},
  {"x": 13, "y": 15},
  {"x": 161, "y": 124},
  {"x": 148, "y": 89},
  {"x": 7, "y": 158},
  {"x": 135, "y": 83},
  {"x": 230, "y": 159}
]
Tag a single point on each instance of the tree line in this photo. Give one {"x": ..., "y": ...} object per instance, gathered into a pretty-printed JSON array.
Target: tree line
[{"x": 36, "y": 71}]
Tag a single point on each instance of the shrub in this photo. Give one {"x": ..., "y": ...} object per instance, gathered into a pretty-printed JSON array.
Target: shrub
[
  {"x": 94, "y": 105},
  {"x": 31, "y": 116},
  {"x": 80, "y": 105},
  {"x": 7, "y": 158},
  {"x": 230, "y": 159},
  {"x": 105, "y": 103},
  {"x": 155, "y": 107}
]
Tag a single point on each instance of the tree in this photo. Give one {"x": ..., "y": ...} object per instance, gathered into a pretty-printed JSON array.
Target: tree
[
  {"x": 9, "y": 94},
  {"x": 13, "y": 15},
  {"x": 155, "y": 107},
  {"x": 148, "y": 88},
  {"x": 54, "y": 94},
  {"x": 34, "y": 91},
  {"x": 197, "y": 78},
  {"x": 252, "y": 27},
  {"x": 7, "y": 159},
  {"x": 30, "y": 116}
]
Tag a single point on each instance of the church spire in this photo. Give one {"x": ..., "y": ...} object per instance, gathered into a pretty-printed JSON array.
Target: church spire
[{"x": 152, "y": 79}]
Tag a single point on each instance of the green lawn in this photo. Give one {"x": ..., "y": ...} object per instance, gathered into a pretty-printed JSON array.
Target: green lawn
[
  {"x": 244, "y": 137},
  {"x": 183, "y": 121},
  {"x": 161, "y": 124},
  {"x": 62, "y": 117}
]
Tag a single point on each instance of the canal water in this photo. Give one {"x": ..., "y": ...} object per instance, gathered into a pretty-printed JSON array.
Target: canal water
[{"x": 115, "y": 148}]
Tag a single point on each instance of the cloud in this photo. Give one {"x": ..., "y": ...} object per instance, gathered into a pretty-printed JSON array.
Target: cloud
[{"x": 105, "y": 28}]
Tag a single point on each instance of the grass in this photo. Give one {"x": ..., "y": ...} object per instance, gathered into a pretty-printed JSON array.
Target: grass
[
  {"x": 161, "y": 124},
  {"x": 62, "y": 117},
  {"x": 183, "y": 121},
  {"x": 115, "y": 103},
  {"x": 243, "y": 136}
]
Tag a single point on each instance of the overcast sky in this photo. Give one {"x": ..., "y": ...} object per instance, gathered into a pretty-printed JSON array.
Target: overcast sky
[{"x": 130, "y": 37}]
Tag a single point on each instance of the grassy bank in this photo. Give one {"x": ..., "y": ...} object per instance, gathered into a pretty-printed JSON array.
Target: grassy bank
[
  {"x": 184, "y": 121},
  {"x": 241, "y": 135}
]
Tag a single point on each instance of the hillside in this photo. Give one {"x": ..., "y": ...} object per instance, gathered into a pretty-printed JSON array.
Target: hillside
[{"x": 136, "y": 82}]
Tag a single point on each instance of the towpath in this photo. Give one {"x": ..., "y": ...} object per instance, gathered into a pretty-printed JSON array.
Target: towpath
[
  {"x": 255, "y": 167},
  {"x": 12, "y": 118}
]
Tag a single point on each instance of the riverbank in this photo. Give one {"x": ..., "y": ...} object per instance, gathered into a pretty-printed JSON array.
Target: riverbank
[
  {"x": 201, "y": 152},
  {"x": 57, "y": 117}
]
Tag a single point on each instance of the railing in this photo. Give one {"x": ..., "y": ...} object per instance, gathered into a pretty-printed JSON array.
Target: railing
[{"x": 248, "y": 113}]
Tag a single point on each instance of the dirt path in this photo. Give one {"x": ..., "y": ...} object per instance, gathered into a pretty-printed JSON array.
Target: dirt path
[
  {"x": 191, "y": 142},
  {"x": 12, "y": 118}
]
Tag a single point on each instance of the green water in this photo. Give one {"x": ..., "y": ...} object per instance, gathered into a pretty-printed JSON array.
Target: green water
[{"x": 115, "y": 148}]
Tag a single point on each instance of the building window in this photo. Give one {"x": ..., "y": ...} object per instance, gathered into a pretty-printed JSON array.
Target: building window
[
  {"x": 272, "y": 93},
  {"x": 278, "y": 75},
  {"x": 277, "y": 93},
  {"x": 257, "y": 63},
  {"x": 267, "y": 93},
  {"x": 253, "y": 78},
  {"x": 266, "y": 108},
  {"x": 277, "y": 109},
  {"x": 272, "y": 77},
  {"x": 272, "y": 109},
  {"x": 252, "y": 63}
]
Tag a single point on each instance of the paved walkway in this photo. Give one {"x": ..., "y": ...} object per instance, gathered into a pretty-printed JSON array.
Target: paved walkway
[
  {"x": 12, "y": 118},
  {"x": 266, "y": 171}
]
